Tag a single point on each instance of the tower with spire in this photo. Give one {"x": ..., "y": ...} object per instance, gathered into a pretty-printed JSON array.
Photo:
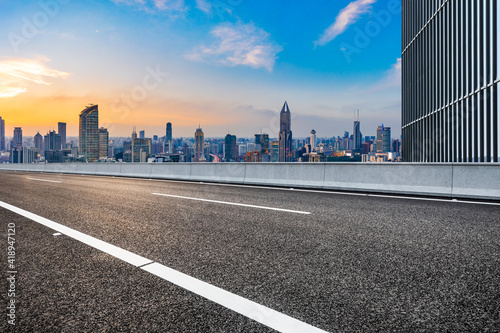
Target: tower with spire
[{"x": 285, "y": 135}]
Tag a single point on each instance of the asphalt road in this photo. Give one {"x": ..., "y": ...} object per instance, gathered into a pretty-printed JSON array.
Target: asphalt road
[{"x": 337, "y": 262}]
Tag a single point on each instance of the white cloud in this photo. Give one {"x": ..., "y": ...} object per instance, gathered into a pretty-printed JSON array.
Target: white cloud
[
  {"x": 153, "y": 5},
  {"x": 239, "y": 44},
  {"x": 204, "y": 5},
  {"x": 17, "y": 74},
  {"x": 392, "y": 78},
  {"x": 346, "y": 17}
]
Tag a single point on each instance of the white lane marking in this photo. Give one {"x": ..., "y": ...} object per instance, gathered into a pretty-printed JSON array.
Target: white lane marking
[
  {"x": 250, "y": 309},
  {"x": 115, "y": 251},
  {"x": 45, "y": 180},
  {"x": 234, "y": 204}
]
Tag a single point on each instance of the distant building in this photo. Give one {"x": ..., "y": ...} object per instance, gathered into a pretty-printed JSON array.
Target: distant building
[
  {"x": 168, "y": 136},
  {"x": 103, "y": 142},
  {"x": 263, "y": 141},
  {"x": 274, "y": 150},
  {"x": 285, "y": 135},
  {"x": 61, "y": 130},
  {"x": 52, "y": 141},
  {"x": 18, "y": 137},
  {"x": 199, "y": 140},
  {"x": 141, "y": 149},
  {"x": 230, "y": 149},
  {"x": 88, "y": 144},
  {"x": 383, "y": 139},
  {"x": 2, "y": 134},
  {"x": 142, "y": 134},
  {"x": 312, "y": 140},
  {"x": 357, "y": 137},
  {"x": 38, "y": 139}
]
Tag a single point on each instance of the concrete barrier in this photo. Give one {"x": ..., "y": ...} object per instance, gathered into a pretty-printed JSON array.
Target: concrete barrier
[
  {"x": 309, "y": 175},
  {"x": 478, "y": 180},
  {"x": 218, "y": 172},
  {"x": 139, "y": 170},
  {"x": 174, "y": 171},
  {"x": 422, "y": 179}
]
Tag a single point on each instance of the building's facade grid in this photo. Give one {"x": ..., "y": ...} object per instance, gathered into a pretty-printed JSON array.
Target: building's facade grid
[{"x": 451, "y": 81}]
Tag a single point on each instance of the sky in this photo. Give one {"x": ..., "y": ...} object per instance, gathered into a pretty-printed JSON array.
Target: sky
[{"x": 225, "y": 65}]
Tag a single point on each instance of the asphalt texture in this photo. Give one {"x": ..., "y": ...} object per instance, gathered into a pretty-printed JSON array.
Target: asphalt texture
[{"x": 357, "y": 263}]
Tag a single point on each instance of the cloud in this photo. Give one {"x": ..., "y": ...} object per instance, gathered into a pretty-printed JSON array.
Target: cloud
[
  {"x": 238, "y": 44},
  {"x": 204, "y": 6},
  {"x": 346, "y": 17},
  {"x": 392, "y": 78},
  {"x": 154, "y": 5},
  {"x": 16, "y": 75}
]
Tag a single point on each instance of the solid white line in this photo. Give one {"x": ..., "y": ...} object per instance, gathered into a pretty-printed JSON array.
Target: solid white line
[
  {"x": 45, "y": 180},
  {"x": 250, "y": 309},
  {"x": 115, "y": 251},
  {"x": 234, "y": 204}
]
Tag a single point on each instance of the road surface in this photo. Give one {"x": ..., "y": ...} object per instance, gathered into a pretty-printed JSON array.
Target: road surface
[{"x": 99, "y": 254}]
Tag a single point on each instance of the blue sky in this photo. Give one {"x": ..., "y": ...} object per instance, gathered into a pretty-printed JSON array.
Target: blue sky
[{"x": 231, "y": 64}]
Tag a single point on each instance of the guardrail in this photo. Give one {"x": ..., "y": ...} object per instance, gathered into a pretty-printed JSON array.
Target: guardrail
[{"x": 479, "y": 180}]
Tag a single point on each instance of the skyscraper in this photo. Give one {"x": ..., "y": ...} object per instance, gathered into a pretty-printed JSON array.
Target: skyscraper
[
  {"x": 52, "y": 141},
  {"x": 2, "y": 134},
  {"x": 61, "y": 130},
  {"x": 230, "y": 149},
  {"x": 18, "y": 137},
  {"x": 383, "y": 139},
  {"x": 450, "y": 57},
  {"x": 140, "y": 149},
  {"x": 38, "y": 139},
  {"x": 285, "y": 135},
  {"x": 168, "y": 136},
  {"x": 312, "y": 140},
  {"x": 199, "y": 139},
  {"x": 88, "y": 144},
  {"x": 263, "y": 141},
  {"x": 103, "y": 142},
  {"x": 357, "y": 137},
  {"x": 142, "y": 134}
]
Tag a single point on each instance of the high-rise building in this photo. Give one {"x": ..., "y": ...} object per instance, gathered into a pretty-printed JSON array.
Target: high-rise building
[
  {"x": 199, "y": 140},
  {"x": 142, "y": 134},
  {"x": 61, "y": 130},
  {"x": 38, "y": 139},
  {"x": 168, "y": 136},
  {"x": 285, "y": 135},
  {"x": 2, "y": 134},
  {"x": 312, "y": 140},
  {"x": 18, "y": 137},
  {"x": 140, "y": 149},
  {"x": 88, "y": 144},
  {"x": 274, "y": 150},
  {"x": 263, "y": 141},
  {"x": 52, "y": 141},
  {"x": 230, "y": 149},
  {"x": 450, "y": 81},
  {"x": 383, "y": 139},
  {"x": 357, "y": 137},
  {"x": 103, "y": 142}
]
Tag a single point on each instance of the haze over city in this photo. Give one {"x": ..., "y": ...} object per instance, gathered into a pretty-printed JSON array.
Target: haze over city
[{"x": 225, "y": 65}]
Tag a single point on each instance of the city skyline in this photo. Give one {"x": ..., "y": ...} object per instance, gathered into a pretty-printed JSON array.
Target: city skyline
[{"x": 313, "y": 62}]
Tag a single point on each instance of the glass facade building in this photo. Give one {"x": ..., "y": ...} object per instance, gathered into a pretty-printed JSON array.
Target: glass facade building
[
  {"x": 88, "y": 143},
  {"x": 450, "y": 80}
]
